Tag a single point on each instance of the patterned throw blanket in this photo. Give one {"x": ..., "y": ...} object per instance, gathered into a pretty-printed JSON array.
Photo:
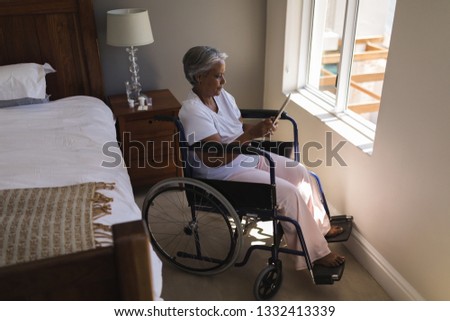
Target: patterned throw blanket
[{"x": 37, "y": 223}]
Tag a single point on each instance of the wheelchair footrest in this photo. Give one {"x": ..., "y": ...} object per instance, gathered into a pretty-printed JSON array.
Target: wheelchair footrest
[
  {"x": 344, "y": 221},
  {"x": 327, "y": 275}
]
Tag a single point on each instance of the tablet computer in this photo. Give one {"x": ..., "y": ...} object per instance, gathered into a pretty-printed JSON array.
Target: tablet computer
[{"x": 280, "y": 112}]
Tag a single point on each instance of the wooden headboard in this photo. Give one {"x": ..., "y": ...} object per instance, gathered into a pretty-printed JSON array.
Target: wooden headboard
[
  {"x": 60, "y": 32},
  {"x": 63, "y": 33}
]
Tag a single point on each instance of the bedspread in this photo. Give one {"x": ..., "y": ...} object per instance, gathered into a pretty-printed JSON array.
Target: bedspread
[{"x": 63, "y": 143}]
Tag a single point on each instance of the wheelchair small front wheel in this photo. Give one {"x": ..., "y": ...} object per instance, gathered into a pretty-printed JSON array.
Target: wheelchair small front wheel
[
  {"x": 268, "y": 282},
  {"x": 192, "y": 225}
]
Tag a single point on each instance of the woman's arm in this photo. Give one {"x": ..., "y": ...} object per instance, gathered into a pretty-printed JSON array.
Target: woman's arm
[{"x": 251, "y": 132}]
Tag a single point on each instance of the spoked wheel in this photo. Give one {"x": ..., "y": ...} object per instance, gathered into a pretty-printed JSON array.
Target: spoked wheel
[
  {"x": 268, "y": 282},
  {"x": 192, "y": 225}
]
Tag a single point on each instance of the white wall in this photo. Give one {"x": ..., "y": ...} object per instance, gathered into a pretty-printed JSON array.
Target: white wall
[
  {"x": 234, "y": 26},
  {"x": 399, "y": 196}
]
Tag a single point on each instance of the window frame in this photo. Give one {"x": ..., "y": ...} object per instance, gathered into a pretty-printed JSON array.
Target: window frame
[{"x": 336, "y": 107}]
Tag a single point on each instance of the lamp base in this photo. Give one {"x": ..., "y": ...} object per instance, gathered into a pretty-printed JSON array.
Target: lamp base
[
  {"x": 134, "y": 87},
  {"x": 133, "y": 91}
]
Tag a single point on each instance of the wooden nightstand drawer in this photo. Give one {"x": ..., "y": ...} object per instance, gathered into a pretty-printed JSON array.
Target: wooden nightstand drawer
[
  {"x": 152, "y": 162},
  {"x": 148, "y": 127},
  {"x": 153, "y": 150}
]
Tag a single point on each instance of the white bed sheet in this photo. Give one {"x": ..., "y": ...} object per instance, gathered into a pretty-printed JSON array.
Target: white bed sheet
[{"x": 62, "y": 143}]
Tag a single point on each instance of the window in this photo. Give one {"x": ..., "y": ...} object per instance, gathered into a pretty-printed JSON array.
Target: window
[{"x": 347, "y": 45}]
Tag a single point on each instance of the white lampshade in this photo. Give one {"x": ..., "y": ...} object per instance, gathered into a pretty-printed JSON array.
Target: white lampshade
[{"x": 128, "y": 27}]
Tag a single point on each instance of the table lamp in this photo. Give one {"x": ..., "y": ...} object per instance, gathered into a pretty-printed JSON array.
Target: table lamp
[{"x": 130, "y": 28}]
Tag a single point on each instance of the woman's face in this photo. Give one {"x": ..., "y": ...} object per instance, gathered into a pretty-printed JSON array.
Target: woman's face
[{"x": 210, "y": 83}]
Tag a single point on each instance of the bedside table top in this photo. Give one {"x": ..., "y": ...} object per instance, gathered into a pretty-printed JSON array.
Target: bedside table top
[{"x": 161, "y": 100}]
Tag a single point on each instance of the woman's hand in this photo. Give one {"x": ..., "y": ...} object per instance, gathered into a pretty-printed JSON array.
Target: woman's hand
[{"x": 262, "y": 129}]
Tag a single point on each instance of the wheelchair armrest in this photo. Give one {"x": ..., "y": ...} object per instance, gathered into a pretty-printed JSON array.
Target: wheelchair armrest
[
  {"x": 216, "y": 147},
  {"x": 267, "y": 113}
]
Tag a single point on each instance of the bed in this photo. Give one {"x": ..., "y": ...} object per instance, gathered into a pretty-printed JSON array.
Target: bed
[{"x": 70, "y": 228}]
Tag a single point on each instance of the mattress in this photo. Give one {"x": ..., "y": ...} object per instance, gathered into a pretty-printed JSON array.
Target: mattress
[{"x": 65, "y": 142}]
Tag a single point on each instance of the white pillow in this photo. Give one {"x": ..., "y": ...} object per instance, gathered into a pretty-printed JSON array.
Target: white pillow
[{"x": 25, "y": 80}]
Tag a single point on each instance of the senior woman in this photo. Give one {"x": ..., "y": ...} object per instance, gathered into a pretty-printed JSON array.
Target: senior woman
[{"x": 209, "y": 114}]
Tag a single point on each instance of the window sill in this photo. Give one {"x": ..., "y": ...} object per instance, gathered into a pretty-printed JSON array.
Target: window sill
[{"x": 350, "y": 129}]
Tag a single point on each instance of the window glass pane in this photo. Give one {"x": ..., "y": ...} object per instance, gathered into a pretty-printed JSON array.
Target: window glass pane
[
  {"x": 373, "y": 33},
  {"x": 327, "y": 29}
]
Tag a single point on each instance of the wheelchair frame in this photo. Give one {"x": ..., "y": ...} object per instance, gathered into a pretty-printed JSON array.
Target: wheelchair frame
[{"x": 213, "y": 210}]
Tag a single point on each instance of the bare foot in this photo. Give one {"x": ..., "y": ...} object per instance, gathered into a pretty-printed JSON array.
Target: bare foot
[
  {"x": 330, "y": 260},
  {"x": 335, "y": 230}
]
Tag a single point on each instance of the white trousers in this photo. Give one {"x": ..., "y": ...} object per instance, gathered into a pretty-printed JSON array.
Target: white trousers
[{"x": 297, "y": 197}]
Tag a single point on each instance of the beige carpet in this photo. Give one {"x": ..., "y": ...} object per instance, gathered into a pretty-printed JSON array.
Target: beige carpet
[{"x": 237, "y": 283}]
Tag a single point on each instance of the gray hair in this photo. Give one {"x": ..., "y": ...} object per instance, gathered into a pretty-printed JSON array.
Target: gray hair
[{"x": 200, "y": 59}]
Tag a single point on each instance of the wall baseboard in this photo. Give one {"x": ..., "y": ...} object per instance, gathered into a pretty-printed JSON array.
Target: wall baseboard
[{"x": 380, "y": 269}]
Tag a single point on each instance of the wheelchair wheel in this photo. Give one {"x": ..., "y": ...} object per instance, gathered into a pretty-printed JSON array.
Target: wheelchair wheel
[
  {"x": 268, "y": 282},
  {"x": 192, "y": 225}
]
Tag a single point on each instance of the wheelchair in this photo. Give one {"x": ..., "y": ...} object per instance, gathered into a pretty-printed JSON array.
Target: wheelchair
[{"x": 198, "y": 224}]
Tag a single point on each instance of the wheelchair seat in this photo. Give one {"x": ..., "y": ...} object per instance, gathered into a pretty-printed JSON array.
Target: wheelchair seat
[{"x": 198, "y": 224}]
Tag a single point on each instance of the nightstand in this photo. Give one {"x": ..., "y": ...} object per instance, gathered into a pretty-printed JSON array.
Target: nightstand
[{"x": 148, "y": 146}]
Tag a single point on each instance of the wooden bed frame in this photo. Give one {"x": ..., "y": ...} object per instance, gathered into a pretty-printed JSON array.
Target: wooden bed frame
[
  {"x": 63, "y": 34},
  {"x": 60, "y": 32},
  {"x": 119, "y": 272}
]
